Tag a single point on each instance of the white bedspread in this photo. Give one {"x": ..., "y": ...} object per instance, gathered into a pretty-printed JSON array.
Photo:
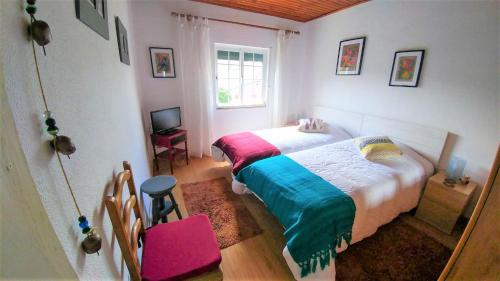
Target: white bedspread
[
  {"x": 380, "y": 190},
  {"x": 290, "y": 139}
]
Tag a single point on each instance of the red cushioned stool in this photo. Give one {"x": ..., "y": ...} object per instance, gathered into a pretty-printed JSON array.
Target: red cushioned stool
[{"x": 181, "y": 250}]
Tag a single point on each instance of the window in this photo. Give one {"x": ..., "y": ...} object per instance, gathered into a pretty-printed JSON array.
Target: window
[{"x": 241, "y": 76}]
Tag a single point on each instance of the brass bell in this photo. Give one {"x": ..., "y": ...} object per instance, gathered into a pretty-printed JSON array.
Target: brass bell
[
  {"x": 92, "y": 243},
  {"x": 40, "y": 31},
  {"x": 63, "y": 145}
]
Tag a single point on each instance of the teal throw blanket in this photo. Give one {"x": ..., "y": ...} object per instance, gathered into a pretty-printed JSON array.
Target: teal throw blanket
[{"x": 316, "y": 214}]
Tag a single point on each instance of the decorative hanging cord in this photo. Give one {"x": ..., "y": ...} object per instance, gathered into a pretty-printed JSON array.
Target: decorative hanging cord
[
  {"x": 47, "y": 115},
  {"x": 40, "y": 33}
]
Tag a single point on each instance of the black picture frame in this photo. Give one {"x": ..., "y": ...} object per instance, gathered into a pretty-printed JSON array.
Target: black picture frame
[
  {"x": 94, "y": 14},
  {"x": 420, "y": 54},
  {"x": 121, "y": 34},
  {"x": 360, "y": 62},
  {"x": 154, "y": 63}
]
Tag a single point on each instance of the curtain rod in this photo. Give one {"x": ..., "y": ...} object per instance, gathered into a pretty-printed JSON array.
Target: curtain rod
[{"x": 174, "y": 14}]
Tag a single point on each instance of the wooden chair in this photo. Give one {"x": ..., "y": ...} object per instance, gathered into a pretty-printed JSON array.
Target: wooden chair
[{"x": 181, "y": 250}]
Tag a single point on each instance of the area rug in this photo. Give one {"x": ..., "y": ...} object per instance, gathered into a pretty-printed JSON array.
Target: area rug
[
  {"x": 397, "y": 251},
  {"x": 231, "y": 220}
]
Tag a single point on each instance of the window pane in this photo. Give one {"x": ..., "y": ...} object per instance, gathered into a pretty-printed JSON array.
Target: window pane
[
  {"x": 252, "y": 92},
  {"x": 222, "y": 71},
  {"x": 258, "y": 73},
  {"x": 258, "y": 85},
  {"x": 222, "y": 55},
  {"x": 248, "y": 72},
  {"x": 247, "y": 91},
  {"x": 247, "y": 84},
  {"x": 222, "y": 62},
  {"x": 248, "y": 57},
  {"x": 223, "y": 84},
  {"x": 234, "y": 71},
  {"x": 223, "y": 97},
  {"x": 228, "y": 93},
  {"x": 258, "y": 97},
  {"x": 234, "y": 56},
  {"x": 234, "y": 84},
  {"x": 259, "y": 60}
]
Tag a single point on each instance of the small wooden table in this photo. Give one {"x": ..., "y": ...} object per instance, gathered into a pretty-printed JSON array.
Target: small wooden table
[
  {"x": 169, "y": 141},
  {"x": 442, "y": 205}
]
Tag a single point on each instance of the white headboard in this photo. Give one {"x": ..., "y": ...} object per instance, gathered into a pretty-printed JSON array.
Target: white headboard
[
  {"x": 349, "y": 121},
  {"x": 428, "y": 142}
]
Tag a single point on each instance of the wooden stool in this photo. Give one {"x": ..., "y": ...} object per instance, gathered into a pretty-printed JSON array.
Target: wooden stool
[{"x": 157, "y": 188}]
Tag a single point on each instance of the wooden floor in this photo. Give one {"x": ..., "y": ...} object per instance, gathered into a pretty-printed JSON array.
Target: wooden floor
[{"x": 260, "y": 257}]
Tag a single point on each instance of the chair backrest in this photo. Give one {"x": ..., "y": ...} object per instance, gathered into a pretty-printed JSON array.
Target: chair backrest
[{"x": 119, "y": 213}]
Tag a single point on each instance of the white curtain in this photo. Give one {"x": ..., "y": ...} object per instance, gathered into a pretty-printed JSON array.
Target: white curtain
[
  {"x": 197, "y": 83},
  {"x": 281, "y": 92}
]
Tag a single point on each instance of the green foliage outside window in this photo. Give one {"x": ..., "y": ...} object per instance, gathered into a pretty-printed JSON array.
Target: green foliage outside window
[{"x": 224, "y": 97}]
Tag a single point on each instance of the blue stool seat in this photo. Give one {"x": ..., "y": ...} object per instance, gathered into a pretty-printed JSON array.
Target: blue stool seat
[{"x": 157, "y": 188}]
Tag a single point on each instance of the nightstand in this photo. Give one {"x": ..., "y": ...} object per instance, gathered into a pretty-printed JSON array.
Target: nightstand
[{"x": 441, "y": 205}]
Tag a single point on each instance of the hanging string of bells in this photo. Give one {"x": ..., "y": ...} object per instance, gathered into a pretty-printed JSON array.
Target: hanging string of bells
[{"x": 40, "y": 33}]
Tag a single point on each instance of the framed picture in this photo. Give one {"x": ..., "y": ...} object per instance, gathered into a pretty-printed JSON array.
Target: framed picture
[
  {"x": 350, "y": 56},
  {"x": 406, "y": 68},
  {"x": 94, "y": 14},
  {"x": 162, "y": 62},
  {"x": 121, "y": 34}
]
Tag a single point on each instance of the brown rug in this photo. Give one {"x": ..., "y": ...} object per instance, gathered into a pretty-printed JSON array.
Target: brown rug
[
  {"x": 231, "y": 220},
  {"x": 397, "y": 251}
]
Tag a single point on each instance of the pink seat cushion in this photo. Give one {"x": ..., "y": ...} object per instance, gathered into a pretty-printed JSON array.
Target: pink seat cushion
[{"x": 179, "y": 250}]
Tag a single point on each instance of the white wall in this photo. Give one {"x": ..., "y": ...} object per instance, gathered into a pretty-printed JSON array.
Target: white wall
[
  {"x": 154, "y": 26},
  {"x": 94, "y": 99},
  {"x": 458, "y": 88}
]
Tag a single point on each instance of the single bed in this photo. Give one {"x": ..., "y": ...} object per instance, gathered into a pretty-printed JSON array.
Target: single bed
[
  {"x": 380, "y": 190},
  {"x": 278, "y": 140}
]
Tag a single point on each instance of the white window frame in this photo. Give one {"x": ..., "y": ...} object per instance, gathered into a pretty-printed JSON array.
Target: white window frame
[{"x": 265, "y": 70}]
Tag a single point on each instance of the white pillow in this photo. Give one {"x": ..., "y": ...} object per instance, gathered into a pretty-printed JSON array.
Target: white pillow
[
  {"x": 311, "y": 125},
  {"x": 336, "y": 131}
]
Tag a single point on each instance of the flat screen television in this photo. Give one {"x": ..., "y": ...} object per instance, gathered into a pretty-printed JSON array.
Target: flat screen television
[{"x": 165, "y": 121}]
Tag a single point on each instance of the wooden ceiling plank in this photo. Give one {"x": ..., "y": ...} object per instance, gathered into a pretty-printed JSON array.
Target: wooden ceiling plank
[
  {"x": 298, "y": 10},
  {"x": 354, "y": 3},
  {"x": 250, "y": 8},
  {"x": 291, "y": 6}
]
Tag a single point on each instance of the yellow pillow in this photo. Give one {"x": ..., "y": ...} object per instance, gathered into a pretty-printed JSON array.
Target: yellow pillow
[{"x": 377, "y": 148}]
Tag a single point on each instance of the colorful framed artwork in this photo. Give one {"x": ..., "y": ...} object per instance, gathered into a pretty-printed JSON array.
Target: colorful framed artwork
[
  {"x": 162, "y": 62},
  {"x": 350, "y": 56},
  {"x": 406, "y": 68}
]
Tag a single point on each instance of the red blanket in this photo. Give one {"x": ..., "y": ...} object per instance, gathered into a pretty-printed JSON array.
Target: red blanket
[{"x": 245, "y": 148}]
